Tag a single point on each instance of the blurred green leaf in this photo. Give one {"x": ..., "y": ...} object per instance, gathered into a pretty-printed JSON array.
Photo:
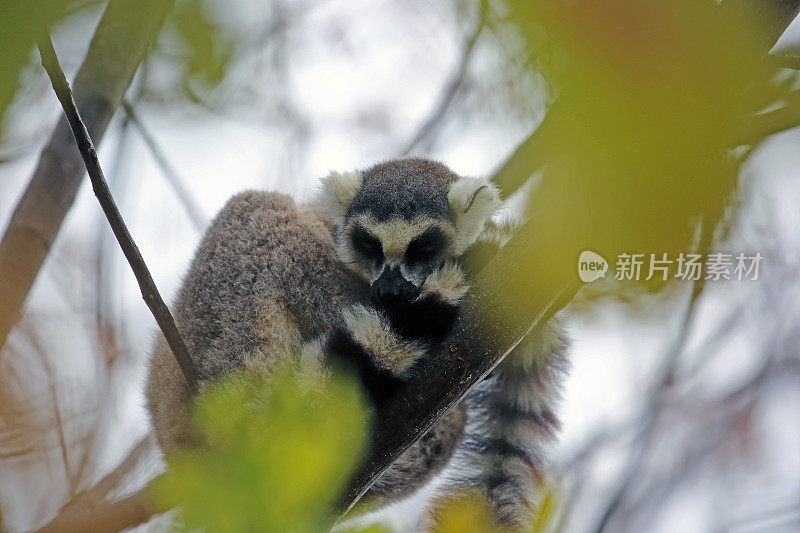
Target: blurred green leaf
[
  {"x": 207, "y": 50},
  {"x": 470, "y": 512},
  {"x": 649, "y": 98},
  {"x": 22, "y": 23},
  {"x": 275, "y": 457},
  {"x": 546, "y": 515},
  {"x": 373, "y": 528},
  {"x": 465, "y": 513}
]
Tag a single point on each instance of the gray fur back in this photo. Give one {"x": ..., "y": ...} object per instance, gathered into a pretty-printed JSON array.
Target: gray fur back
[{"x": 264, "y": 278}]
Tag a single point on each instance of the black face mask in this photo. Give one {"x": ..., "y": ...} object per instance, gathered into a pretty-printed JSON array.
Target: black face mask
[{"x": 392, "y": 288}]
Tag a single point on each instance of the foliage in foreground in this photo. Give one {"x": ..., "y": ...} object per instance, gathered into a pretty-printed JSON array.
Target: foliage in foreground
[{"x": 275, "y": 455}]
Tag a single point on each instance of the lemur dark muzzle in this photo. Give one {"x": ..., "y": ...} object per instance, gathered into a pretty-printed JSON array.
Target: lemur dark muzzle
[{"x": 392, "y": 287}]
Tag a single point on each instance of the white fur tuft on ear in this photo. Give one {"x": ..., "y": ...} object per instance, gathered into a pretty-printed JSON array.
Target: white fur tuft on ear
[
  {"x": 474, "y": 201},
  {"x": 336, "y": 193}
]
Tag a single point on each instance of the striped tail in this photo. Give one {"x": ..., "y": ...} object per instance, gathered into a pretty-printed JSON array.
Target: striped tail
[{"x": 511, "y": 424}]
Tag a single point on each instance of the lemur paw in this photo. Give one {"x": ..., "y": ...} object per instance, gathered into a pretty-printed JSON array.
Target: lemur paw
[
  {"x": 430, "y": 316},
  {"x": 371, "y": 330},
  {"x": 447, "y": 284},
  {"x": 382, "y": 343},
  {"x": 366, "y": 345}
]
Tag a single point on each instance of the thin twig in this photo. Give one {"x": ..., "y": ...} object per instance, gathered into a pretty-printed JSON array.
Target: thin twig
[
  {"x": 106, "y": 317},
  {"x": 652, "y": 414},
  {"x": 174, "y": 180},
  {"x": 149, "y": 291},
  {"x": 58, "y": 422},
  {"x": 112, "y": 481},
  {"x": 62, "y": 440}
]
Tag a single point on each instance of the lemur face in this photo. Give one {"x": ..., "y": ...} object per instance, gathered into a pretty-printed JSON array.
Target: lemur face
[
  {"x": 396, "y": 256},
  {"x": 400, "y": 221}
]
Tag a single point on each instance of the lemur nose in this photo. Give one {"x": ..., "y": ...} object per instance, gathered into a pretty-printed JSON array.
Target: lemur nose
[{"x": 392, "y": 287}]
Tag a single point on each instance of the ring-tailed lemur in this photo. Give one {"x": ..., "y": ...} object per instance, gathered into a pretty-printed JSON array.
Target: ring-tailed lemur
[{"x": 366, "y": 276}]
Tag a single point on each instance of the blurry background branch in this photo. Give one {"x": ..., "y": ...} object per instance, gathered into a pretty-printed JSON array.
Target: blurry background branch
[
  {"x": 432, "y": 122},
  {"x": 76, "y": 515},
  {"x": 658, "y": 396},
  {"x": 119, "y": 43},
  {"x": 184, "y": 196},
  {"x": 108, "y": 517},
  {"x": 757, "y": 127},
  {"x": 790, "y": 60}
]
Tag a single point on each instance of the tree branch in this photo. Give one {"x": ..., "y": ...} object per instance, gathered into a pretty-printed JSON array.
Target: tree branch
[
  {"x": 110, "y": 517},
  {"x": 117, "y": 48},
  {"x": 143, "y": 450},
  {"x": 89, "y": 511},
  {"x": 149, "y": 291},
  {"x": 657, "y": 399}
]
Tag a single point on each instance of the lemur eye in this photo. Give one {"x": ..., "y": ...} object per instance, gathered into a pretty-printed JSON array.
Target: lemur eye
[
  {"x": 366, "y": 244},
  {"x": 426, "y": 246},
  {"x": 419, "y": 254}
]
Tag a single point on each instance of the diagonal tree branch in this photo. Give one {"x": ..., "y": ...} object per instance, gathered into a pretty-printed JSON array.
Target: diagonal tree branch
[
  {"x": 149, "y": 291},
  {"x": 117, "y": 48},
  {"x": 110, "y": 517},
  {"x": 657, "y": 398},
  {"x": 777, "y": 15},
  {"x": 143, "y": 451}
]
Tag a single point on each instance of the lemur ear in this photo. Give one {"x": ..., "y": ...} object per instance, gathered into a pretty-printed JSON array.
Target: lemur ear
[
  {"x": 337, "y": 192},
  {"x": 474, "y": 201}
]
